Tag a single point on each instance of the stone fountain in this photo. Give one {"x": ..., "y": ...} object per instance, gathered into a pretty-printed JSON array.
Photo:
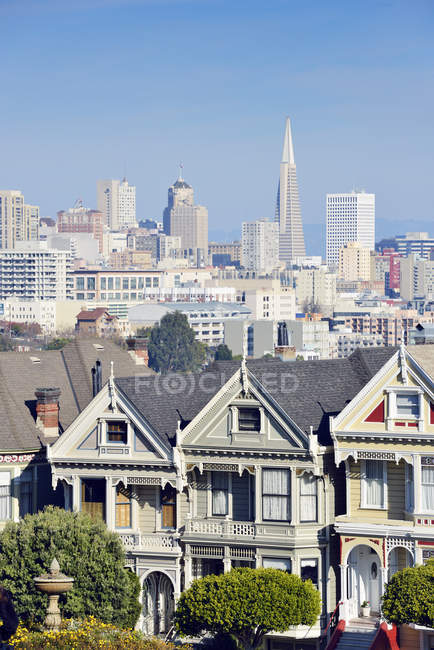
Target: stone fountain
[{"x": 54, "y": 584}]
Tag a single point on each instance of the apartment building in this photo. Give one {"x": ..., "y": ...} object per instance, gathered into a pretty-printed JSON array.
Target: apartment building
[
  {"x": 32, "y": 271},
  {"x": 117, "y": 202},
  {"x": 224, "y": 254},
  {"x": 316, "y": 287},
  {"x": 81, "y": 220},
  {"x": 354, "y": 262},
  {"x": 260, "y": 245},
  {"x": 42, "y": 312},
  {"x": 18, "y": 221},
  {"x": 416, "y": 278},
  {"x": 114, "y": 285}
]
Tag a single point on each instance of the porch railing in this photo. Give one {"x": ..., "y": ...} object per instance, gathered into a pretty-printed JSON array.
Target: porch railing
[
  {"x": 156, "y": 542},
  {"x": 330, "y": 627}
]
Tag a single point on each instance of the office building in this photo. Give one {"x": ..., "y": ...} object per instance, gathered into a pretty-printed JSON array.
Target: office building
[
  {"x": 42, "y": 312},
  {"x": 32, "y": 271},
  {"x": 225, "y": 254},
  {"x": 261, "y": 337},
  {"x": 354, "y": 262},
  {"x": 18, "y": 220},
  {"x": 117, "y": 201},
  {"x": 350, "y": 218},
  {"x": 385, "y": 267},
  {"x": 288, "y": 212},
  {"x": 81, "y": 220},
  {"x": 260, "y": 246},
  {"x": 182, "y": 218},
  {"x": 310, "y": 338},
  {"x": 417, "y": 243}
]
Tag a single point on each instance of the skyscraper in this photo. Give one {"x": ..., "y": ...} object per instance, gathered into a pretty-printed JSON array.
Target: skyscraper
[
  {"x": 18, "y": 221},
  {"x": 288, "y": 213},
  {"x": 117, "y": 201},
  {"x": 350, "y": 218},
  {"x": 182, "y": 218}
]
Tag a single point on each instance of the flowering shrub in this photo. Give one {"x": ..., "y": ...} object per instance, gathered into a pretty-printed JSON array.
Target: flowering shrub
[{"x": 88, "y": 633}]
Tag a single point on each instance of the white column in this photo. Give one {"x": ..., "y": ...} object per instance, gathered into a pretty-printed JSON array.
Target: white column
[
  {"x": 417, "y": 483},
  {"x": 343, "y": 610},
  {"x": 187, "y": 570},
  {"x": 258, "y": 495},
  {"x": 109, "y": 503},
  {"x": 76, "y": 500},
  {"x": 227, "y": 564}
]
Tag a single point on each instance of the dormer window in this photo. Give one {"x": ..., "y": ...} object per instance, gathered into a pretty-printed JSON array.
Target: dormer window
[
  {"x": 249, "y": 419},
  {"x": 407, "y": 405},
  {"x": 117, "y": 431}
]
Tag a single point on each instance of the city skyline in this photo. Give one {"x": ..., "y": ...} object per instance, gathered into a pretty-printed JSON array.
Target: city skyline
[{"x": 356, "y": 91}]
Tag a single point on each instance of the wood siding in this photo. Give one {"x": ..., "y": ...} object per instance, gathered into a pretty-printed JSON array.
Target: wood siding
[
  {"x": 395, "y": 499},
  {"x": 408, "y": 638}
]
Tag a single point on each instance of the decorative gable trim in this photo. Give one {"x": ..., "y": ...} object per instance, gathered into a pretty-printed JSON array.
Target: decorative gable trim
[{"x": 96, "y": 409}]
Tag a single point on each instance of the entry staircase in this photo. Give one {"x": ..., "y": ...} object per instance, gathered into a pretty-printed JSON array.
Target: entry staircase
[{"x": 358, "y": 634}]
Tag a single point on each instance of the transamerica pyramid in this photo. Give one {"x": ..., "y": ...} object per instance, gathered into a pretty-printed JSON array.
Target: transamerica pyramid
[{"x": 288, "y": 213}]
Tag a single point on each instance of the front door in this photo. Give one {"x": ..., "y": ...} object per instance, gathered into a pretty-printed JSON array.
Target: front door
[{"x": 364, "y": 580}]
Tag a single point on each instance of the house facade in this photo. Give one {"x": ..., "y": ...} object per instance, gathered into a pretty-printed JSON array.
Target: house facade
[{"x": 384, "y": 438}]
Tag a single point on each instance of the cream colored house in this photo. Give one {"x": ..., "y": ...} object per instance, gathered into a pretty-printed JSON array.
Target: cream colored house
[{"x": 384, "y": 438}]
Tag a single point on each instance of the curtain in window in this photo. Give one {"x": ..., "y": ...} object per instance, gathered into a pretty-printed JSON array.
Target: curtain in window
[
  {"x": 428, "y": 489},
  {"x": 374, "y": 483},
  {"x": 282, "y": 563},
  {"x": 219, "y": 493},
  {"x": 308, "y": 498},
  {"x": 275, "y": 491},
  {"x": 5, "y": 495}
]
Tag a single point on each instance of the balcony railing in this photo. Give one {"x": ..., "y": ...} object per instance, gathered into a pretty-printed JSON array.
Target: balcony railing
[
  {"x": 155, "y": 542},
  {"x": 216, "y": 528}
]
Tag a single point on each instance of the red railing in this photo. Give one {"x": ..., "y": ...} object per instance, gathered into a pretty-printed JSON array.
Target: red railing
[{"x": 331, "y": 625}]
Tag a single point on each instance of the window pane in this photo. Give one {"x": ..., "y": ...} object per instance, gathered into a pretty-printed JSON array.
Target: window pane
[
  {"x": 374, "y": 483},
  {"x": 275, "y": 481},
  {"x": 219, "y": 493},
  {"x": 249, "y": 419},
  {"x": 5, "y": 495},
  {"x": 309, "y": 570},
  {"x": 26, "y": 493},
  {"x": 117, "y": 432},
  {"x": 308, "y": 498},
  {"x": 93, "y": 497},
  {"x": 282, "y": 563},
  {"x": 168, "y": 507},
  {"x": 407, "y": 404},
  {"x": 428, "y": 489}
]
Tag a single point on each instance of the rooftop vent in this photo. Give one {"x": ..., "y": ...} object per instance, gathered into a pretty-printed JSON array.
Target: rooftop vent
[
  {"x": 35, "y": 360},
  {"x": 98, "y": 346}
]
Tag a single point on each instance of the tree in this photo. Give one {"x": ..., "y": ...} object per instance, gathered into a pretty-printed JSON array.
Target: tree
[
  {"x": 5, "y": 343},
  {"x": 57, "y": 344},
  {"x": 143, "y": 332},
  {"x": 247, "y": 604},
  {"x": 85, "y": 550},
  {"x": 172, "y": 346},
  {"x": 409, "y": 596},
  {"x": 223, "y": 353}
]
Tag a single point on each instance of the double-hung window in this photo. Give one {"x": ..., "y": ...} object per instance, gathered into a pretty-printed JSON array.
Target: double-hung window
[
  {"x": 308, "y": 498},
  {"x": 409, "y": 488},
  {"x": 5, "y": 495},
  {"x": 219, "y": 493},
  {"x": 123, "y": 508},
  {"x": 407, "y": 405},
  {"x": 26, "y": 493},
  {"x": 168, "y": 507},
  {"x": 428, "y": 488},
  {"x": 276, "y": 494},
  {"x": 374, "y": 484}
]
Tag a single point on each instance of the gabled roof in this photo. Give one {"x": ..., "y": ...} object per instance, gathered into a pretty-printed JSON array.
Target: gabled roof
[
  {"x": 308, "y": 391},
  {"x": 93, "y": 314},
  {"x": 69, "y": 369}
]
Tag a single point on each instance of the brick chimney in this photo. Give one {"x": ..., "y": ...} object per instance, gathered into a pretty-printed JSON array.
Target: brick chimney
[
  {"x": 47, "y": 410},
  {"x": 138, "y": 349}
]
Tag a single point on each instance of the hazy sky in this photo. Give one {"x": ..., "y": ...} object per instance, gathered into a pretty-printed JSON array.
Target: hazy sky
[{"x": 102, "y": 88}]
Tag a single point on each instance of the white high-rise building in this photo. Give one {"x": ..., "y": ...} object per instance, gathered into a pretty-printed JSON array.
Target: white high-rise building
[
  {"x": 260, "y": 245},
  {"x": 288, "y": 212},
  {"x": 117, "y": 201},
  {"x": 32, "y": 271},
  {"x": 350, "y": 218},
  {"x": 18, "y": 221}
]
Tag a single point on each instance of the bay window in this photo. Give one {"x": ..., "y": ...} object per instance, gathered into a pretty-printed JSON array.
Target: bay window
[
  {"x": 427, "y": 488},
  {"x": 282, "y": 563},
  {"x": 373, "y": 484},
  {"x": 308, "y": 498},
  {"x": 219, "y": 493},
  {"x": 276, "y": 494}
]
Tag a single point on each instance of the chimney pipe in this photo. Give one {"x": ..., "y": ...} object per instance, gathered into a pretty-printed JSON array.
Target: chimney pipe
[{"x": 47, "y": 410}]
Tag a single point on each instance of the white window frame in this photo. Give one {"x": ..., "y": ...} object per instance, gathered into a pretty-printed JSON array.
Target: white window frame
[
  {"x": 363, "y": 496},
  {"x": 103, "y": 431},
  {"x": 424, "y": 512},
  {"x": 6, "y": 480},
  {"x": 392, "y": 410},
  {"x": 270, "y": 560},
  {"x": 409, "y": 487}
]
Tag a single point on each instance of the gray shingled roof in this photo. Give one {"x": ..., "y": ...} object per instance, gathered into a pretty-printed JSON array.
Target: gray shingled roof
[
  {"x": 308, "y": 391},
  {"x": 68, "y": 369}
]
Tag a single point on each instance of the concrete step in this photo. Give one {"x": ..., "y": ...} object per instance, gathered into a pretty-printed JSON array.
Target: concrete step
[{"x": 354, "y": 637}]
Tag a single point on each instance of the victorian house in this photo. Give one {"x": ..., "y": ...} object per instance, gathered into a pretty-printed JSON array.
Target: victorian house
[
  {"x": 200, "y": 473},
  {"x": 384, "y": 440}
]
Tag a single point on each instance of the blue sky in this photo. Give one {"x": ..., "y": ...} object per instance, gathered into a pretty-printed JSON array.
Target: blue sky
[{"x": 102, "y": 88}]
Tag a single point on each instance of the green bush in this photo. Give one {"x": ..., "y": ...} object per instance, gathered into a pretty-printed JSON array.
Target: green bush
[
  {"x": 85, "y": 550},
  {"x": 409, "y": 596},
  {"x": 247, "y": 604}
]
